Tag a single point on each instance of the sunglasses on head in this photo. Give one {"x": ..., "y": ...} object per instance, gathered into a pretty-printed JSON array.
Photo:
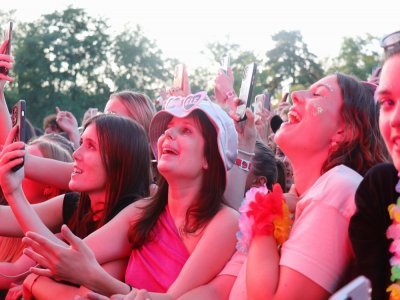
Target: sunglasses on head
[{"x": 390, "y": 40}]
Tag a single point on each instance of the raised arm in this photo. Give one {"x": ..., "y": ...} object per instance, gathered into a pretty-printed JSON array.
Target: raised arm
[
  {"x": 11, "y": 156},
  {"x": 5, "y": 121},
  {"x": 54, "y": 172},
  {"x": 237, "y": 176}
]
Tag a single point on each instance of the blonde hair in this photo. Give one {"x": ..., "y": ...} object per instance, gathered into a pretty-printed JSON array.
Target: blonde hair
[
  {"x": 139, "y": 105},
  {"x": 11, "y": 247}
]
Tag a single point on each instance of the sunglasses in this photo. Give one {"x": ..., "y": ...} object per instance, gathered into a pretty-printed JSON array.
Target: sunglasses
[{"x": 390, "y": 40}]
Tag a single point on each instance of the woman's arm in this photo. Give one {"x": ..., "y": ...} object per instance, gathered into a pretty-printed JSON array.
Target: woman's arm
[
  {"x": 213, "y": 250},
  {"x": 237, "y": 177},
  {"x": 79, "y": 263},
  {"x": 218, "y": 289},
  {"x": 5, "y": 120},
  {"x": 11, "y": 272},
  {"x": 49, "y": 212},
  {"x": 267, "y": 280},
  {"x": 47, "y": 288},
  {"x": 50, "y": 171}
]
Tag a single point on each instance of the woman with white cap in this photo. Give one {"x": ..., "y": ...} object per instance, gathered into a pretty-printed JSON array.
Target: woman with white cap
[{"x": 168, "y": 237}]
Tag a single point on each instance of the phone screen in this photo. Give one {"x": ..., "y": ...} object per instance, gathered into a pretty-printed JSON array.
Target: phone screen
[
  {"x": 8, "y": 35},
  {"x": 225, "y": 62},
  {"x": 246, "y": 89},
  {"x": 18, "y": 118}
]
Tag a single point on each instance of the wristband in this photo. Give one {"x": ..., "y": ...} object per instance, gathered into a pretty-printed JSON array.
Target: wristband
[
  {"x": 247, "y": 153},
  {"x": 245, "y": 165}
]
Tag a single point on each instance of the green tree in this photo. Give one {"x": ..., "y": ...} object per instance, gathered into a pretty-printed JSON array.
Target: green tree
[
  {"x": 238, "y": 60},
  {"x": 61, "y": 60},
  {"x": 138, "y": 63},
  {"x": 358, "y": 56},
  {"x": 290, "y": 60}
]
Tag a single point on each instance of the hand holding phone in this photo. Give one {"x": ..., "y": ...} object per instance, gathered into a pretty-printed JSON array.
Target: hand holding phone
[
  {"x": 181, "y": 81},
  {"x": 7, "y": 49},
  {"x": 246, "y": 89},
  {"x": 18, "y": 118},
  {"x": 261, "y": 102},
  {"x": 225, "y": 63}
]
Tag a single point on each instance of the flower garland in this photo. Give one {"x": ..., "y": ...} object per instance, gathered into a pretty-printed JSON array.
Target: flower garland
[
  {"x": 263, "y": 213},
  {"x": 393, "y": 232}
]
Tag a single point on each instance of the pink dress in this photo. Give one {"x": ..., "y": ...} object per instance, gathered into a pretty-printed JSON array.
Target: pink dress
[{"x": 158, "y": 263}]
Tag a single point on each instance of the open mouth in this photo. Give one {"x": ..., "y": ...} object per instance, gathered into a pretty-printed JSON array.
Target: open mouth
[
  {"x": 293, "y": 117},
  {"x": 76, "y": 171},
  {"x": 169, "y": 150}
]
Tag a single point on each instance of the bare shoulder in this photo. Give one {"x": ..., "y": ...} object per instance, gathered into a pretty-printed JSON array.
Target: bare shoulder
[{"x": 226, "y": 216}]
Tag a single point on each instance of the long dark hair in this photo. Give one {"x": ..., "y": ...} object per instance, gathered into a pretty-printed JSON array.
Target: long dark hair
[
  {"x": 125, "y": 156},
  {"x": 208, "y": 202},
  {"x": 363, "y": 146}
]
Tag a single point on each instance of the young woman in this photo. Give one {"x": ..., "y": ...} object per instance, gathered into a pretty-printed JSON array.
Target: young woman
[
  {"x": 167, "y": 237},
  {"x": 133, "y": 105},
  {"x": 326, "y": 140},
  {"x": 373, "y": 227},
  {"x": 111, "y": 170}
]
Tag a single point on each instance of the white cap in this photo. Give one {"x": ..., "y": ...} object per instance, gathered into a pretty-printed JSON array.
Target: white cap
[{"x": 181, "y": 107}]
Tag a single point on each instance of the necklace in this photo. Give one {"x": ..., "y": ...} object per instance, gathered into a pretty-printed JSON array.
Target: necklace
[{"x": 393, "y": 232}]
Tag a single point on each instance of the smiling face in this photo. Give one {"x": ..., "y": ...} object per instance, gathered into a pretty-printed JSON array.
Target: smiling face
[
  {"x": 181, "y": 149},
  {"x": 313, "y": 120},
  {"x": 388, "y": 95},
  {"x": 89, "y": 172}
]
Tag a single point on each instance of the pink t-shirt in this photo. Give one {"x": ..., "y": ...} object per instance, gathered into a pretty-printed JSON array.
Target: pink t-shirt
[
  {"x": 319, "y": 245},
  {"x": 158, "y": 263}
]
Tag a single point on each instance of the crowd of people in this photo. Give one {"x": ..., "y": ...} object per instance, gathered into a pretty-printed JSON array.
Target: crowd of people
[{"x": 190, "y": 202}]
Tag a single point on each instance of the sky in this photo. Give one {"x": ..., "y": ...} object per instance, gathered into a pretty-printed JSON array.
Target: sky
[{"x": 182, "y": 28}]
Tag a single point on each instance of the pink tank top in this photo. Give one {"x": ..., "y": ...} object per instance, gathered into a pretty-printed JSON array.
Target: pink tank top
[{"x": 158, "y": 263}]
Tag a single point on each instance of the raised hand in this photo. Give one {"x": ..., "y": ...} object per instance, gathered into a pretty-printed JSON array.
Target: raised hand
[
  {"x": 7, "y": 62},
  {"x": 68, "y": 123},
  {"x": 223, "y": 86},
  {"x": 11, "y": 155}
]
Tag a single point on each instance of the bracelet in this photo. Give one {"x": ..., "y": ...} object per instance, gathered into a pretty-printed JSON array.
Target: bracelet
[
  {"x": 229, "y": 94},
  {"x": 247, "y": 153},
  {"x": 245, "y": 165}
]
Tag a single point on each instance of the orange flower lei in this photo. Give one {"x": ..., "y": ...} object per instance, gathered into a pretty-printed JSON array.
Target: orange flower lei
[{"x": 263, "y": 213}]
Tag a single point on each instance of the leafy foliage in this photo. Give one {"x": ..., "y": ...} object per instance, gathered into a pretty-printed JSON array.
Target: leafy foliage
[{"x": 69, "y": 59}]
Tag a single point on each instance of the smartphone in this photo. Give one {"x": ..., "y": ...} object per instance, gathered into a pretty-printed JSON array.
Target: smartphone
[
  {"x": 359, "y": 288},
  {"x": 8, "y": 35},
  {"x": 225, "y": 63},
  {"x": 180, "y": 71},
  {"x": 18, "y": 118},
  {"x": 286, "y": 94},
  {"x": 261, "y": 101},
  {"x": 246, "y": 89}
]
